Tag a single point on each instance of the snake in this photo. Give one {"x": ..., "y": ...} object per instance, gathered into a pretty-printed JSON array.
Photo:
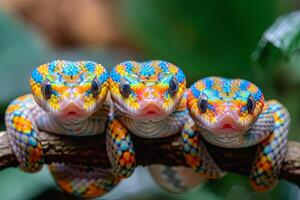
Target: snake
[
  {"x": 232, "y": 113},
  {"x": 150, "y": 102},
  {"x": 67, "y": 98}
]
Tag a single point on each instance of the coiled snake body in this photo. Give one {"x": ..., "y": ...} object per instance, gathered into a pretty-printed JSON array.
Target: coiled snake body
[
  {"x": 149, "y": 100},
  {"x": 67, "y": 98},
  {"x": 232, "y": 113}
]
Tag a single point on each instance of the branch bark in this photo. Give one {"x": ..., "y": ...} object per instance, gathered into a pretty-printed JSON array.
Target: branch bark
[{"x": 167, "y": 151}]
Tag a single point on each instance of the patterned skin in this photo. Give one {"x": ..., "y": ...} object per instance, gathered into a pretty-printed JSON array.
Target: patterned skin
[
  {"x": 67, "y": 98},
  {"x": 149, "y": 102},
  {"x": 231, "y": 113}
]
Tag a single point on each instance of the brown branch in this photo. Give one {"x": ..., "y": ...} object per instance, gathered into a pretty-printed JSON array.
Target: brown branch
[{"x": 91, "y": 151}]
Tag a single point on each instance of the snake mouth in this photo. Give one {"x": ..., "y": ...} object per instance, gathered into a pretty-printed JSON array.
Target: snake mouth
[
  {"x": 227, "y": 124},
  {"x": 152, "y": 109},
  {"x": 150, "y": 112},
  {"x": 72, "y": 112}
]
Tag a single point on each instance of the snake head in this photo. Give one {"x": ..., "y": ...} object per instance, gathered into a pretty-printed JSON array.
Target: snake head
[
  {"x": 147, "y": 91},
  {"x": 224, "y": 106},
  {"x": 70, "y": 91}
]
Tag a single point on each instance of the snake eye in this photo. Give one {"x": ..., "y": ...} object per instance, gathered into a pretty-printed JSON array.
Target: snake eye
[
  {"x": 125, "y": 89},
  {"x": 47, "y": 90},
  {"x": 173, "y": 86},
  {"x": 95, "y": 87},
  {"x": 250, "y": 104},
  {"x": 202, "y": 103}
]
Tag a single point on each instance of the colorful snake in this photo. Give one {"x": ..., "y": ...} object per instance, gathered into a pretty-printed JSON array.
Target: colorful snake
[
  {"x": 150, "y": 102},
  {"x": 231, "y": 113},
  {"x": 68, "y": 98}
]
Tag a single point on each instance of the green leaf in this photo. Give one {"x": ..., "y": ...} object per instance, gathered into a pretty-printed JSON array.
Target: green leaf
[
  {"x": 277, "y": 53},
  {"x": 277, "y": 58}
]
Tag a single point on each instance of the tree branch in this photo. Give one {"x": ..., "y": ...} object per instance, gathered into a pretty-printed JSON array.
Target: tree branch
[{"x": 167, "y": 151}]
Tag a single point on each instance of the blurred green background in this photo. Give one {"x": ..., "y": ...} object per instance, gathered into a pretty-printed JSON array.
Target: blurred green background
[{"x": 225, "y": 38}]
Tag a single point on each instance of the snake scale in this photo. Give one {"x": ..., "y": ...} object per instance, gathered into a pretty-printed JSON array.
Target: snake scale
[
  {"x": 148, "y": 99},
  {"x": 232, "y": 113},
  {"x": 67, "y": 98}
]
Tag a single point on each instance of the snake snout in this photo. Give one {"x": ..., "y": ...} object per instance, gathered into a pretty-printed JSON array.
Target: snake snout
[
  {"x": 72, "y": 110},
  {"x": 150, "y": 94},
  {"x": 228, "y": 123},
  {"x": 152, "y": 109}
]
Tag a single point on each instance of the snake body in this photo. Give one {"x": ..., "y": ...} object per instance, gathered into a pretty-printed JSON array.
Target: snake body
[
  {"x": 232, "y": 113},
  {"x": 150, "y": 102},
  {"x": 67, "y": 98}
]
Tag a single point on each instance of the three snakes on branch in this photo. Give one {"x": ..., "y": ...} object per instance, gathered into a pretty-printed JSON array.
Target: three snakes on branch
[{"x": 148, "y": 99}]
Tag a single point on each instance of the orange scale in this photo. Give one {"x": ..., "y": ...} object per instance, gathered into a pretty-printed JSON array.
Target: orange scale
[
  {"x": 263, "y": 159},
  {"x": 33, "y": 158},
  {"x": 277, "y": 119},
  {"x": 65, "y": 185},
  {"x": 84, "y": 88},
  {"x": 24, "y": 97},
  {"x": 114, "y": 124},
  {"x": 12, "y": 108},
  {"x": 200, "y": 85},
  {"x": 40, "y": 147},
  {"x": 258, "y": 165},
  {"x": 27, "y": 129},
  {"x": 252, "y": 88},
  {"x": 94, "y": 191},
  {"x": 191, "y": 141},
  {"x": 37, "y": 91},
  {"x": 59, "y": 88},
  {"x": 126, "y": 156},
  {"x": 22, "y": 124},
  {"x": 182, "y": 105},
  {"x": 217, "y": 87},
  {"x": 121, "y": 134},
  {"x": 36, "y": 156},
  {"x": 266, "y": 167},
  {"x": 16, "y": 119},
  {"x": 137, "y": 88},
  {"x": 192, "y": 160},
  {"x": 120, "y": 131},
  {"x": 191, "y": 99}
]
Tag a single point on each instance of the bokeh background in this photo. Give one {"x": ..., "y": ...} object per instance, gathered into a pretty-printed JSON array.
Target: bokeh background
[{"x": 227, "y": 38}]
